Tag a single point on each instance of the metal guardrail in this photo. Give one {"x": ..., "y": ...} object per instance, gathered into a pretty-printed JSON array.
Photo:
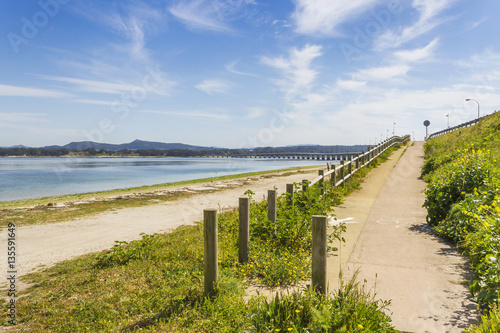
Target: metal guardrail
[
  {"x": 454, "y": 128},
  {"x": 343, "y": 171}
]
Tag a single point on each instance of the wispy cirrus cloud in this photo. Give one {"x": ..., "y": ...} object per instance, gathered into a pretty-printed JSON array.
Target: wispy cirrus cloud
[
  {"x": 106, "y": 87},
  {"x": 24, "y": 117},
  {"x": 7, "y": 90},
  {"x": 256, "y": 112},
  {"x": 214, "y": 86},
  {"x": 424, "y": 53},
  {"x": 231, "y": 68},
  {"x": 430, "y": 17},
  {"x": 350, "y": 84},
  {"x": 210, "y": 15},
  {"x": 99, "y": 102},
  {"x": 297, "y": 73},
  {"x": 190, "y": 114},
  {"x": 322, "y": 17},
  {"x": 381, "y": 73},
  {"x": 131, "y": 21}
]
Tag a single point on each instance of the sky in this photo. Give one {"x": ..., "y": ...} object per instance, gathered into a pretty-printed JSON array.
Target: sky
[{"x": 243, "y": 73}]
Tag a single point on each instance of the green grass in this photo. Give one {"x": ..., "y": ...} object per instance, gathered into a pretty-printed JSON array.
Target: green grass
[
  {"x": 156, "y": 284},
  {"x": 463, "y": 203}
]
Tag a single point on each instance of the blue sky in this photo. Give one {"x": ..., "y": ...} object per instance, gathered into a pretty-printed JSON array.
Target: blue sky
[{"x": 243, "y": 73}]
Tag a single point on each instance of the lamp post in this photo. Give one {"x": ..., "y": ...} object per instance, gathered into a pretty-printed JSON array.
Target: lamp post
[
  {"x": 448, "y": 119},
  {"x": 472, "y": 99},
  {"x": 393, "y": 128},
  {"x": 387, "y": 134}
]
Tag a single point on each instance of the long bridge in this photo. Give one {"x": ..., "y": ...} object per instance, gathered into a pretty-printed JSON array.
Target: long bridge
[
  {"x": 345, "y": 156},
  {"x": 301, "y": 156}
]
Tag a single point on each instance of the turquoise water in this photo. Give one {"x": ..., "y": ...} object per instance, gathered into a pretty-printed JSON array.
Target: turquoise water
[{"x": 25, "y": 178}]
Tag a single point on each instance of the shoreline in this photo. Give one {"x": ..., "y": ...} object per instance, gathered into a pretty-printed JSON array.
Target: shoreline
[
  {"x": 139, "y": 190},
  {"x": 72, "y": 237}
]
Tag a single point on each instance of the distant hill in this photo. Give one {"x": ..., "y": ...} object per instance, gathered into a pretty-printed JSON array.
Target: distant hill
[
  {"x": 134, "y": 145},
  {"x": 146, "y": 145}
]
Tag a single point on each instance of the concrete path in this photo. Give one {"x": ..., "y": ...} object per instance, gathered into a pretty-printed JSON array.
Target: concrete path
[{"x": 424, "y": 277}]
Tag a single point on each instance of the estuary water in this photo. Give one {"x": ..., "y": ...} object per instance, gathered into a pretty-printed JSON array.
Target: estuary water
[{"x": 25, "y": 177}]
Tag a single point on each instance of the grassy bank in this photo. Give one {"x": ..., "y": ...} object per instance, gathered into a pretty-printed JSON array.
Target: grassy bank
[
  {"x": 50, "y": 210},
  {"x": 156, "y": 284},
  {"x": 463, "y": 203}
]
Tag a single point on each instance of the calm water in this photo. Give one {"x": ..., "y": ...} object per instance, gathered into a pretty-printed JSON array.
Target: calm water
[{"x": 24, "y": 178}]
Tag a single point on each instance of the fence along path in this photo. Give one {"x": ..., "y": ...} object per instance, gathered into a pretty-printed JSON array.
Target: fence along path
[
  {"x": 454, "y": 128},
  {"x": 342, "y": 172},
  {"x": 345, "y": 170}
]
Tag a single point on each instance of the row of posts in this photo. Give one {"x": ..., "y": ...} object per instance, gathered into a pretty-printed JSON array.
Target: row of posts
[
  {"x": 210, "y": 226},
  {"x": 319, "y": 228}
]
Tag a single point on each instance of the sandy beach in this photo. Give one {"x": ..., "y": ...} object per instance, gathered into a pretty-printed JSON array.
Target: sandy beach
[{"x": 43, "y": 245}]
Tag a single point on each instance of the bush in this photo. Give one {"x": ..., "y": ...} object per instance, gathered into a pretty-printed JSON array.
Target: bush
[
  {"x": 490, "y": 323},
  {"x": 350, "y": 309},
  {"x": 452, "y": 182}
]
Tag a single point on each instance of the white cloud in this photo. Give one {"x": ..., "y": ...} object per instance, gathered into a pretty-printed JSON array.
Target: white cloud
[
  {"x": 22, "y": 117},
  {"x": 350, "y": 84},
  {"x": 133, "y": 22},
  {"x": 6, "y": 90},
  {"x": 484, "y": 60},
  {"x": 214, "y": 86},
  {"x": 298, "y": 76},
  {"x": 156, "y": 84},
  {"x": 429, "y": 10},
  {"x": 474, "y": 25},
  {"x": 322, "y": 17},
  {"x": 381, "y": 73},
  {"x": 231, "y": 68},
  {"x": 94, "y": 86},
  {"x": 99, "y": 102},
  {"x": 418, "y": 54},
  {"x": 190, "y": 114},
  {"x": 211, "y": 15},
  {"x": 256, "y": 112}
]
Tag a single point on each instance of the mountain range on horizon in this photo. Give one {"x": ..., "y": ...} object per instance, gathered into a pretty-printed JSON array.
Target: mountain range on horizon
[{"x": 141, "y": 144}]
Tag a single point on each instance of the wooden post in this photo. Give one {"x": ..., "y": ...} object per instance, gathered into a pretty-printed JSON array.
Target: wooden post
[
  {"x": 271, "y": 205},
  {"x": 304, "y": 185},
  {"x": 334, "y": 176},
  {"x": 319, "y": 253},
  {"x": 211, "y": 250},
  {"x": 342, "y": 172},
  {"x": 321, "y": 185},
  {"x": 244, "y": 231},
  {"x": 357, "y": 161},
  {"x": 350, "y": 165},
  {"x": 289, "y": 195}
]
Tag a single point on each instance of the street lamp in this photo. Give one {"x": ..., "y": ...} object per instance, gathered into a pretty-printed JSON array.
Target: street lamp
[
  {"x": 448, "y": 119},
  {"x": 393, "y": 128},
  {"x": 472, "y": 99}
]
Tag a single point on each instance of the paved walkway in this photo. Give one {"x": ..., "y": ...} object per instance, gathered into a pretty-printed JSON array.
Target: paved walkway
[{"x": 424, "y": 277}]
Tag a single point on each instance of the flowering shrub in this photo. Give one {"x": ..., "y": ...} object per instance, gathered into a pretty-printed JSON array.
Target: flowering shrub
[
  {"x": 453, "y": 181},
  {"x": 463, "y": 204}
]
